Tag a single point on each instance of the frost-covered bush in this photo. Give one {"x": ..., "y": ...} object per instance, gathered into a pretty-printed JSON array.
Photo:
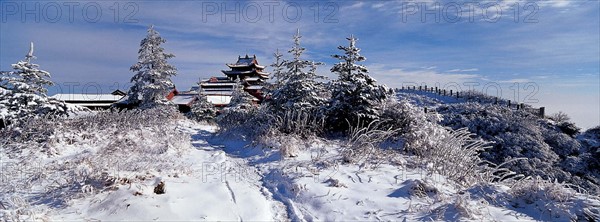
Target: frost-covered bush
[
  {"x": 303, "y": 124},
  {"x": 261, "y": 126},
  {"x": 245, "y": 124},
  {"x": 591, "y": 141},
  {"x": 554, "y": 200},
  {"x": 560, "y": 117},
  {"x": 103, "y": 150},
  {"x": 569, "y": 128},
  {"x": 550, "y": 153},
  {"x": 399, "y": 116},
  {"x": 364, "y": 141},
  {"x": 482, "y": 98}
]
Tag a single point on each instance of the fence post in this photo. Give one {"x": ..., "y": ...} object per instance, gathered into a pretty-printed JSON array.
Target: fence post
[
  {"x": 496, "y": 100},
  {"x": 444, "y": 92},
  {"x": 425, "y": 109},
  {"x": 419, "y": 88},
  {"x": 457, "y": 95},
  {"x": 509, "y": 103},
  {"x": 542, "y": 112}
]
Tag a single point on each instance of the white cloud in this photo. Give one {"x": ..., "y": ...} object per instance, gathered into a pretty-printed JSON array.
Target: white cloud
[
  {"x": 517, "y": 80},
  {"x": 356, "y": 5},
  {"x": 464, "y": 70},
  {"x": 378, "y": 5},
  {"x": 396, "y": 77}
]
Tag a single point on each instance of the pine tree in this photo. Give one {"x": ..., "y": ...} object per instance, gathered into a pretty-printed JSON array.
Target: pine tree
[
  {"x": 202, "y": 109},
  {"x": 152, "y": 81},
  {"x": 240, "y": 99},
  {"x": 23, "y": 92},
  {"x": 355, "y": 95},
  {"x": 278, "y": 69},
  {"x": 300, "y": 89}
]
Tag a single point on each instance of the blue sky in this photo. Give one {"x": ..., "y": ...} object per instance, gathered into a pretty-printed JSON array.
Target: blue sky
[{"x": 548, "y": 50}]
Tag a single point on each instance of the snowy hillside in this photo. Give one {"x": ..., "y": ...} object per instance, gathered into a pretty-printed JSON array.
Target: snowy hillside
[
  {"x": 107, "y": 167},
  {"x": 553, "y": 146}
]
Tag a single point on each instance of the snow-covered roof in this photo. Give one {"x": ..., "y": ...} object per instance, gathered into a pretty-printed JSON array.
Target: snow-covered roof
[
  {"x": 218, "y": 99},
  {"x": 93, "y": 104},
  {"x": 123, "y": 100},
  {"x": 218, "y": 84},
  {"x": 183, "y": 99},
  {"x": 87, "y": 97},
  {"x": 218, "y": 92},
  {"x": 188, "y": 92},
  {"x": 254, "y": 87}
]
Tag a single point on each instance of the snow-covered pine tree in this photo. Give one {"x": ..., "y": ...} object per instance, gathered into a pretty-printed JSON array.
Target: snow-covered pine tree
[
  {"x": 202, "y": 109},
  {"x": 152, "y": 81},
  {"x": 300, "y": 90},
  {"x": 23, "y": 92},
  {"x": 354, "y": 95},
  {"x": 240, "y": 99},
  {"x": 278, "y": 69}
]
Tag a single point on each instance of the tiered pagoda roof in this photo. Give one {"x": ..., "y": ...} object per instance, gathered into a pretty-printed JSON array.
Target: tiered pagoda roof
[
  {"x": 250, "y": 74},
  {"x": 246, "y": 67}
]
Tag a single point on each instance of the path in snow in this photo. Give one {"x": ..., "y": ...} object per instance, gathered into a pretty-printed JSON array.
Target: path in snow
[{"x": 219, "y": 188}]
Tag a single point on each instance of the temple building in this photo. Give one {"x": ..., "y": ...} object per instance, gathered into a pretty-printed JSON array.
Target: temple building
[
  {"x": 246, "y": 70},
  {"x": 92, "y": 101}
]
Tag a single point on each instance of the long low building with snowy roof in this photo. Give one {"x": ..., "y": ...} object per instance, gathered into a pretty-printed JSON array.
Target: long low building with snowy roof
[{"x": 91, "y": 100}]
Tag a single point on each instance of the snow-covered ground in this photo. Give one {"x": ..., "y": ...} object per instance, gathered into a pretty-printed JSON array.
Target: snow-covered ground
[
  {"x": 233, "y": 182},
  {"x": 227, "y": 179},
  {"x": 211, "y": 191}
]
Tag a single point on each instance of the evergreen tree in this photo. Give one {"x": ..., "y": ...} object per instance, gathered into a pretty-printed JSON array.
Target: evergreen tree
[
  {"x": 354, "y": 95},
  {"x": 240, "y": 99},
  {"x": 300, "y": 89},
  {"x": 202, "y": 109},
  {"x": 278, "y": 69},
  {"x": 23, "y": 92},
  {"x": 152, "y": 81}
]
